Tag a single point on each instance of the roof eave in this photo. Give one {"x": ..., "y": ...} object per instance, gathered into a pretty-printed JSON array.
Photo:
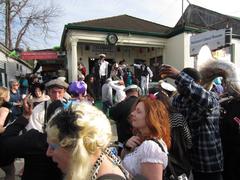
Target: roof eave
[
  {"x": 108, "y": 30},
  {"x": 181, "y": 29}
]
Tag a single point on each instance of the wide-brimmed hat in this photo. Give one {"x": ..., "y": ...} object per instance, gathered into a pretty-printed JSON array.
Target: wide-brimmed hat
[
  {"x": 102, "y": 55},
  {"x": 56, "y": 83},
  {"x": 130, "y": 87},
  {"x": 166, "y": 86}
]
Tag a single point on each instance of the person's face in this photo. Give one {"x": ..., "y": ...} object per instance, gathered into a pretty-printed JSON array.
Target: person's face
[
  {"x": 15, "y": 85},
  {"x": 56, "y": 93},
  {"x": 38, "y": 92},
  {"x": 35, "y": 80},
  {"x": 138, "y": 117},
  {"x": 91, "y": 79},
  {"x": 59, "y": 155}
]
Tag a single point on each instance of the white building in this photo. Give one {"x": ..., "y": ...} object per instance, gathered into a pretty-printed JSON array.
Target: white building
[
  {"x": 11, "y": 68},
  {"x": 134, "y": 39}
]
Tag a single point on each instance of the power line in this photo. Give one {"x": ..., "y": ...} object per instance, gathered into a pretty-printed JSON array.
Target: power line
[{"x": 189, "y": 2}]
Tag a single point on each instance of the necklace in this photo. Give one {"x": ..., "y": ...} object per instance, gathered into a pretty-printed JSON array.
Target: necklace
[
  {"x": 96, "y": 166},
  {"x": 113, "y": 158}
]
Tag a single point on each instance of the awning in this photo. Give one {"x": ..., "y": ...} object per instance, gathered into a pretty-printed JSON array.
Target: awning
[{"x": 39, "y": 55}]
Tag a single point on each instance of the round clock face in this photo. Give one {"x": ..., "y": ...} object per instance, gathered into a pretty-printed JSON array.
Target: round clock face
[{"x": 112, "y": 38}]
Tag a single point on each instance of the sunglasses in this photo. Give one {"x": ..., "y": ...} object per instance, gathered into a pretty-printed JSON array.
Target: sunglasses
[{"x": 53, "y": 146}]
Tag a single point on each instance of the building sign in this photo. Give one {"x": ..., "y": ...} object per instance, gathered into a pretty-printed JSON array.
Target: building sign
[
  {"x": 100, "y": 48},
  {"x": 215, "y": 39},
  {"x": 39, "y": 55}
]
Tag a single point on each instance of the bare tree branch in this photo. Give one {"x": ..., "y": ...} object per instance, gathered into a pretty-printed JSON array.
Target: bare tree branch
[
  {"x": 17, "y": 7},
  {"x": 22, "y": 32},
  {"x": 28, "y": 19}
]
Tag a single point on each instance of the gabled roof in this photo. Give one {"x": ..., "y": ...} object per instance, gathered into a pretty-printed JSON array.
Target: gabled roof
[
  {"x": 119, "y": 24},
  {"x": 194, "y": 19},
  {"x": 124, "y": 22},
  {"x": 201, "y": 19}
]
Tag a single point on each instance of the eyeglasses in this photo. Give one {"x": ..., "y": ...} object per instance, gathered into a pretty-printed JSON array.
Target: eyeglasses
[
  {"x": 15, "y": 84},
  {"x": 53, "y": 146}
]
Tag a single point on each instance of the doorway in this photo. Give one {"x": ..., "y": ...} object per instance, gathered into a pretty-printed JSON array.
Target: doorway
[
  {"x": 93, "y": 61},
  {"x": 155, "y": 64}
]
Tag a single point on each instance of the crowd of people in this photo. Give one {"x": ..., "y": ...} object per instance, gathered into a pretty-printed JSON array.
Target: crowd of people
[{"x": 175, "y": 132}]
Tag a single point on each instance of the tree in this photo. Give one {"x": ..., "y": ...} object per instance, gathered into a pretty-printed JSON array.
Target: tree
[{"x": 24, "y": 20}]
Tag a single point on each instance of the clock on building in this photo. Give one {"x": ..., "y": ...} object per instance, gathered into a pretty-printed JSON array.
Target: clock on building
[{"x": 112, "y": 38}]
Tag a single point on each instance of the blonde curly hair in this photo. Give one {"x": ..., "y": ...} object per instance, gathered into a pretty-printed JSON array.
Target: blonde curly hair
[
  {"x": 4, "y": 92},
  {"x": 82, "y": 130}
]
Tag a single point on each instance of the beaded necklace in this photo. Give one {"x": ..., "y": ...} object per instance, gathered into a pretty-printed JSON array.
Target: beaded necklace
[
  {"x": 113, "y": 158},
  {"x": 96, "y": 166}
]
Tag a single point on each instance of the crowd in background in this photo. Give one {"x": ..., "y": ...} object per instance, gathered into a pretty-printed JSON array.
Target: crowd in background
[{"x": 170, "y": 132}]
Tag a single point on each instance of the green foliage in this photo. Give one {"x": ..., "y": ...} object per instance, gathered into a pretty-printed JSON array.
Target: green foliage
[
  {"x": 56, "y": 48},
  {"x": 13, "y": 54}
]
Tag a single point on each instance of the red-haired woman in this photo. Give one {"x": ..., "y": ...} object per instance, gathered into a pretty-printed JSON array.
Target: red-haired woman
[{"x": 150, "y": 123}]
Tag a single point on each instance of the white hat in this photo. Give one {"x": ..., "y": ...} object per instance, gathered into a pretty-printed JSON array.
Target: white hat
[
  {"x": 166, "y": 86},
  {"x": 133, "y": 86},
  {"x": 62, "y": 78},
  {"x": 102, "y": 55}
]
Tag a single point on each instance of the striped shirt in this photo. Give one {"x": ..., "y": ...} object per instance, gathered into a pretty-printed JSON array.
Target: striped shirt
[
  {"x": 202, "y": 111},
  {"x": 178, "y": 121}
]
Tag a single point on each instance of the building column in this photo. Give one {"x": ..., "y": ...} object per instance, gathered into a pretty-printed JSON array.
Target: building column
[
  {"x": 69, "y": 55},
  {"x": 164, "y": 53},
  {"x": 73, "y": 69}
]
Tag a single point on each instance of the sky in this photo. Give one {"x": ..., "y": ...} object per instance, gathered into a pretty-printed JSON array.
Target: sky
[{"x": 164, "y": 12}]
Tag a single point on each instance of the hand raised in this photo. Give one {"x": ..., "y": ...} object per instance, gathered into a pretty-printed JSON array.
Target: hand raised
[
  {"x": 167, "y": 71},
  {"x": 133, "y": 142},
  {"x": 27, "y": 107}
]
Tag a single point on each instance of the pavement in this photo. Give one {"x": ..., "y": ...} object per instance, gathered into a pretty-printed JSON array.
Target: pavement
[{"x": 18, "y": 165}]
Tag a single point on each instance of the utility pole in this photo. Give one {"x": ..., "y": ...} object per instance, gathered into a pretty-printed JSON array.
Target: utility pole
[
  {"x": 182, "y": 6},
  {"x": 7, "y": 24}
]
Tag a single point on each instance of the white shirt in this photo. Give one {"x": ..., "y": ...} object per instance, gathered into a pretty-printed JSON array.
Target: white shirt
[
  {"x": 149, "y": 151},
  {"x": 106, "y": 93},
  {"x": 148, "y": 69},
  {"x": 36, "y": 120},
  {"x": 103, "y": 70},
  {"x": 120, "y": 93}
]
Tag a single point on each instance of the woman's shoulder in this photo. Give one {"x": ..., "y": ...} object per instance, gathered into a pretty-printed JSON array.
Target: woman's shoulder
[
  {"x": 152, "y": 145},
  {"x": 151, "y": 148},
  {"x": 153, "y": 152}
]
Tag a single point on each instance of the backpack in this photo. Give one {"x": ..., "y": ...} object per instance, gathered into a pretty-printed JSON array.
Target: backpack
[
  {"x": 230, "y": 135},
  {"x": 173, "y": 170}
]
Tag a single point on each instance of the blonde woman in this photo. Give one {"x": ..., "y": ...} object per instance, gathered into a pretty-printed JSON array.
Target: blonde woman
[
  {"x": 78, "y": 139},
  {"x": 4, "y": 108},
  {"x": 8, "y": 166}
]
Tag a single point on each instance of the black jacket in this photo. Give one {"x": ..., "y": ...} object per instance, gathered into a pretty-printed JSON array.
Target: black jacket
[
  {"x": 120, "y": 113},
  {"x": 31, "y": 146},
  {"x": 230, "y": 134}
]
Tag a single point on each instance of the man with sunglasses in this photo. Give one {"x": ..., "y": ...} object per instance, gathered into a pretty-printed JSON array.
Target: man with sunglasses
[{"x": 15, "y": 99}]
